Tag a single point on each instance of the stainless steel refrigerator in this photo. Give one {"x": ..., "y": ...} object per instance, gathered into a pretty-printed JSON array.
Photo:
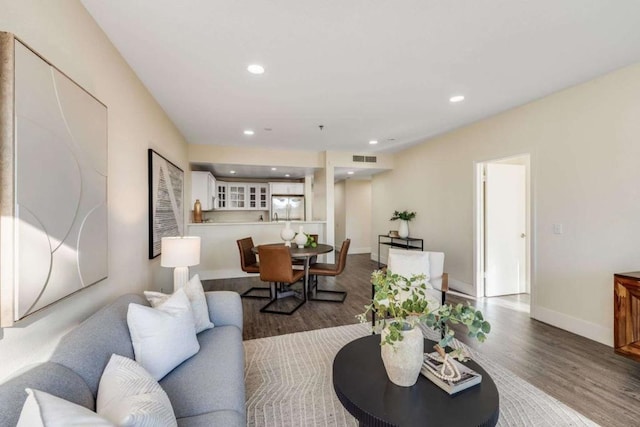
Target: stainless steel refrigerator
[{"x": 287, "y": 208}]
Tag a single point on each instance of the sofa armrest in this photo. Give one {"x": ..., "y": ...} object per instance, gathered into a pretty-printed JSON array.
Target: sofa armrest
[{"x": 225, "y": 308}]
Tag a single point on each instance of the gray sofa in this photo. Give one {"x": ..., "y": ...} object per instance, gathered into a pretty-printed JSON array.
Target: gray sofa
[{"x": 205, "y": 390}]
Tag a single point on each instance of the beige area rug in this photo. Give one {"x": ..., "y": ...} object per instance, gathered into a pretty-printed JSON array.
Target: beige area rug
[{"x": 288, "y": 383}]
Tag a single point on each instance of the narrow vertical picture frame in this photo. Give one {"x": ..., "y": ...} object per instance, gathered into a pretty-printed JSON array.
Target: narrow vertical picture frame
[{"x": 166, "y": 201}]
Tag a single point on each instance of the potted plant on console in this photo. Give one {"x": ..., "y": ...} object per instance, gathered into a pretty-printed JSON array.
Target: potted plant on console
[
  {"x": 404, "y": 217},
  {"x": 400, "y": 304}
]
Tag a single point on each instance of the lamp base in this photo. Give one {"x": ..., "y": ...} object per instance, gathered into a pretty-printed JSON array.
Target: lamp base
[{"x": 180, "y": 277}]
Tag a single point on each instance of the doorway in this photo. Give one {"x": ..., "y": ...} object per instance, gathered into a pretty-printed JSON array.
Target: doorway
[{"x": 503, "y": 245}]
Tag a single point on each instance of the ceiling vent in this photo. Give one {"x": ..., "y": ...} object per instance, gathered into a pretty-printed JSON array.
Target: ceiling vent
[{"x": 365, "y": 159}]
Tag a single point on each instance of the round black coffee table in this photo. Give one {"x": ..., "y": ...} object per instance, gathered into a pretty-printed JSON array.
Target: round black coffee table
[{"x": 362, "y": 385}]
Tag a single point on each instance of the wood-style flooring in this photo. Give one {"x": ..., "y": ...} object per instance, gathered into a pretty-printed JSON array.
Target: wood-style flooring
[{"x": 585, "y": 375}]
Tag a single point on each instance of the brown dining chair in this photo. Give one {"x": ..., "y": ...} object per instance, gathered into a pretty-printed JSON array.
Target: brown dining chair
[
  {"x": 249, "y": 264},
  {"x": 322, "y": 269},
  {"x": 277, "y": 269}
]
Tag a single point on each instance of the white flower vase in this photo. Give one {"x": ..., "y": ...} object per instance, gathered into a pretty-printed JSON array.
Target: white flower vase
[
  {"x": 403, "y": 359},
  {"x": 403, "y": 231},
  {"x": 287, "y": 234},
  {"x": 301, "y": 238}
]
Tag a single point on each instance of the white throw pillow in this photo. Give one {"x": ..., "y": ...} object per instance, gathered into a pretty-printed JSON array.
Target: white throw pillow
[
  {"x": 46, "y": 410},
  {"x": 130, "y": 397},
  {"x": 163, "y": 337},
  {"x": 198, "y": 301}
]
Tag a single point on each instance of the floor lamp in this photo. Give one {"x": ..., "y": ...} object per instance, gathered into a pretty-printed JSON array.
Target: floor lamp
[{"x": 181, "y": 253}]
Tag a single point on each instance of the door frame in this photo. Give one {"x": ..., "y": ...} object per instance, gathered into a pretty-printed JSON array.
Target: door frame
[{"x": 479, "y": 224}]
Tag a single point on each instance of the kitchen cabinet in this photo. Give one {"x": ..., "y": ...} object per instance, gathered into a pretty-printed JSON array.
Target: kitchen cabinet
[
  {"x": 237, "y": 194},
  {"x": 258, "y": 196},
  {"x": 286, "y": 188},
  {"x": 242, "y": 196},
  {"x": 203, "y": 188}
]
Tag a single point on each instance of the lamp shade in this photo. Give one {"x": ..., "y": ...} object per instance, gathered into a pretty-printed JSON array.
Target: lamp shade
[{"x": 180, "y": 251}]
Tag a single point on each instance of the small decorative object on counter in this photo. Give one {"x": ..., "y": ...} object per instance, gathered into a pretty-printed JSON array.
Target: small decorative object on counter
[
  {"x": 301, "y": 238},
  {"x": 197, "y": 211},
  {"x": 287, "y": 234}
]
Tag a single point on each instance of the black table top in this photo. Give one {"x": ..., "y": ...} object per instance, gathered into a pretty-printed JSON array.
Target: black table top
[{"x": 362, "y": 385}]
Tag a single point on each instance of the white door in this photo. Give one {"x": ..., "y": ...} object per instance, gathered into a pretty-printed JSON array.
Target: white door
[{"x": 505, "y": 227}]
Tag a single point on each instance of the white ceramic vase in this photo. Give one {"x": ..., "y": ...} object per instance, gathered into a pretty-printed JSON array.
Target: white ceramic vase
[
  {"x": 301, "y": 238},
  {"x": 403, "y": 359},
  {"x": 403, "y": 231},
  {"x": 287, "y": 234}
]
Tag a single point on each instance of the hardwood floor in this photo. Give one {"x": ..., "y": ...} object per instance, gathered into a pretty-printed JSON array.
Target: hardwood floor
[{"x": 585, "y": 375}]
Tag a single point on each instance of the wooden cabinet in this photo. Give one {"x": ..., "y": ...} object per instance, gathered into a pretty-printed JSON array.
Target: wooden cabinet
[
  {"x": 286, "y": 188},
  {"x": 222, "y": 195},
  {"x": 203, "y": 188},
  {"x": 626, "y": 311}
]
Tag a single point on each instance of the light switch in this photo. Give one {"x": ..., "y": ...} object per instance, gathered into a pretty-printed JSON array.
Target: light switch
[{"x": 558, "y": 229}]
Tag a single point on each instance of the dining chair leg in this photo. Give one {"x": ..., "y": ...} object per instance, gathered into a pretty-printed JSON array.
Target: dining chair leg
[{"x": 342, "y": 295}]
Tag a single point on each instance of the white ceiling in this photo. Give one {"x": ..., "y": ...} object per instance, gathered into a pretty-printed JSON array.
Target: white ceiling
[{"x": 365, "y": 69}]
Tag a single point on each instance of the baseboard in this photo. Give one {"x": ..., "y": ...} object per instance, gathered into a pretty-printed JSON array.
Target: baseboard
[
  {"x": 577, "y": 326},
  {"x": 465, "y": 288},
  {"x": 359, "y": 250}
]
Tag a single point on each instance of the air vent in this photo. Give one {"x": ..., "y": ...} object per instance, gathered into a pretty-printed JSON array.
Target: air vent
[{"x": 365, "y": 159}]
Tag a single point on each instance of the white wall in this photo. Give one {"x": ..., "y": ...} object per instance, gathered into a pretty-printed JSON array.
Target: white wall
[
  {"x": 358, "y": 215},
  {"x": 340, "y": 215},
  {"x": 584, "y": 146},
  {"x": 65, "y": 34}
]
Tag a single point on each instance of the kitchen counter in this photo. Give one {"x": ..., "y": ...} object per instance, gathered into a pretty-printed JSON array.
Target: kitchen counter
[{"x": 219, "y": 256}]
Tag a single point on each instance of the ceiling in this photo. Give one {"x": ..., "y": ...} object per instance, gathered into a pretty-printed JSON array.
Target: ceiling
[{"x": 363, "y": 69}]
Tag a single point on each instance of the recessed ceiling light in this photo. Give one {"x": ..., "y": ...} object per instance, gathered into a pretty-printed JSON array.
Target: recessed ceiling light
[
  {"x": 287, "y": 175},
  {"x": 350, "y": 173},
  {"x": 255, "y": 69},
  {"x": 456, "y": 98},
  {"x": 373, "y": 142},
  {"x": 249, "y": 132},
  {"x": 274, "y": 169},
  {"x": 232, "y": 172}
]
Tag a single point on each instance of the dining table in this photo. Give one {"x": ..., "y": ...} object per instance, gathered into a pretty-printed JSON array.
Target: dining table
[{"x": 305, "y": 253}]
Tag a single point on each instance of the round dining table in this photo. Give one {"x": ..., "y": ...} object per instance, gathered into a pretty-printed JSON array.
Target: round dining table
[{"x": 303, "y": 253}]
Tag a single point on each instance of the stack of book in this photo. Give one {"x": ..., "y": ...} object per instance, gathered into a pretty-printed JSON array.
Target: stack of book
[{"x": 468, "y": 377}]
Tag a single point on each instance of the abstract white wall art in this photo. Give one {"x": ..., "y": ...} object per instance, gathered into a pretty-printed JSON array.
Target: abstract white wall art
[
  {"x": 166, "y": 215},
  {"x": 53, "y": 165}
]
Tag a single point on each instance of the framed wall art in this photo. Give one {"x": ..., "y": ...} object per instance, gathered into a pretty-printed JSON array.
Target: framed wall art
[
  {"x": 166, "y": 201},
  {"x": 53, "y": 169}
]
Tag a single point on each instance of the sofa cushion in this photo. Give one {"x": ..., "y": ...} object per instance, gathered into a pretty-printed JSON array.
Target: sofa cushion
[
  {"x": 129, "y": 396},
  {"x": 46, "y": 410},
  {"x": 211, "y": 381},
  {"x": 195, "y": 293},
  {"x": 165, "y": 336},
  {"x": 87, "y": 348},
  {"x": 214, "y": 419}
]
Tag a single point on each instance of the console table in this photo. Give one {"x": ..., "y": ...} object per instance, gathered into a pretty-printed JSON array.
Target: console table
[
  {"x": 626, "y": 311},
  {"x": 409, "y": 243}
]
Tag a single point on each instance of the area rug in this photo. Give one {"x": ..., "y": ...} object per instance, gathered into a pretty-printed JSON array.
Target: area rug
[{"x": 288, "y": 383}]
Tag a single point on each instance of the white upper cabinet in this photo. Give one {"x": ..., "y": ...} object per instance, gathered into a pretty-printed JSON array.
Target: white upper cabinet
[
  {"x": 287, "y": 188},
  {"x": 242, "y": 196},
  {"x": 203, "y": 188}
]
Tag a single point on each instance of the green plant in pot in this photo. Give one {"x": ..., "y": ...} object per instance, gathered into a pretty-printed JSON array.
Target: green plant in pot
[
  {"x": 400, "y": 304},
  {"x": 404, "y": 217}
]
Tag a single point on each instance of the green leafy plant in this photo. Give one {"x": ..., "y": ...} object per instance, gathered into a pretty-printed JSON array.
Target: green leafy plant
[
  {"x": 401, "y": 303},
  {"x": 311, "y": 241},
  {"x": 404, "y": 215}
]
